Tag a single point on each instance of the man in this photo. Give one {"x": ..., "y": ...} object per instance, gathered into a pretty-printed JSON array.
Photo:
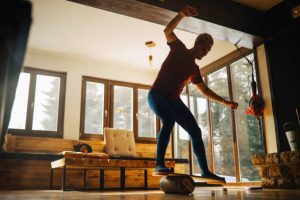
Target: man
[{"x": 164, "y": 97}]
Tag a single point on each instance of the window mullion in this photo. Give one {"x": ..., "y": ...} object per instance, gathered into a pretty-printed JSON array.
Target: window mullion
[
  {"x": 190, "y": 143},
  {"x": 107, "y": 112},
  {"x": 31, "y": 98},
  {"x": 61, "y": 105},
  {"x": 235, "y": 140},
  {"x": 83, "y": 102},
  {"x": 111, "y": 104},
  {"x": 135, "y": 112},
  {"x": 211, "y": 137}
]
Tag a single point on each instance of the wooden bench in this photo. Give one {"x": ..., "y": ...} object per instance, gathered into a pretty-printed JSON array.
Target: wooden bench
[{"x": 102, "y": 162}]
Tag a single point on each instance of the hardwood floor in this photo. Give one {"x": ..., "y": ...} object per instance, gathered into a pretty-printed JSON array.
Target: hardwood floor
[{"x": 199, "y": 193}]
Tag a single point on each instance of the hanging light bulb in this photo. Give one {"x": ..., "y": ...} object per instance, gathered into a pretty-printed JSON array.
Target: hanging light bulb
[
  {"x": 150, "y": 44},
  {"x": 150, "y": 58}
]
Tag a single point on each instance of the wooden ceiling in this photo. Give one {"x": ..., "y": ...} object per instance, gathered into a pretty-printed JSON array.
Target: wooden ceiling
[
  {"x": 224, "y": 20},
  {"x": 246, "y": 21}
]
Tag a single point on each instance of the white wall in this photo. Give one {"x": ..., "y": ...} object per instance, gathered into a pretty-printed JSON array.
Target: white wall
[
  {"x": 76, "y": 67},
  {"x": 270, "y": 132}
]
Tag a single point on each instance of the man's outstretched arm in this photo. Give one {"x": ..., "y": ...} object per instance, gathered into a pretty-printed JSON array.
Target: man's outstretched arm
[
  {"x": 212, "y": 95},
  {"x": 186, "y": 11}
]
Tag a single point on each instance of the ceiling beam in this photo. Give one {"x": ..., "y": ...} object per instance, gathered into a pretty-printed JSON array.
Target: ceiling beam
[{"x": 223, "y": 19}]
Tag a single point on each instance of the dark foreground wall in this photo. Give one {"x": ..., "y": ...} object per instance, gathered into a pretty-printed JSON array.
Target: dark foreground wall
[
  {"x": 15, "y": 21},
  {"x": 283, "y": 52}
]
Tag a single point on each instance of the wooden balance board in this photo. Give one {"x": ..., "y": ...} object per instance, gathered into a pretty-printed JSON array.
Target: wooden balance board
[{"x": 184, "y": 184}]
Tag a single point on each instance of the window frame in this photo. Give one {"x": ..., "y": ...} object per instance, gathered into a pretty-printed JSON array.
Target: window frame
[
  {"x": 30, "y": 105},
  {"x": 226, "y": 62},
  {"x": 93, "y": 136},
  {"x": 109, "y": 107},
  {"x": 111, "y": 113}
]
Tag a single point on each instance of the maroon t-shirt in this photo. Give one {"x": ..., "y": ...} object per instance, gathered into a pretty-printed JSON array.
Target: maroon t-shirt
[{"x": 178, "y": 68}]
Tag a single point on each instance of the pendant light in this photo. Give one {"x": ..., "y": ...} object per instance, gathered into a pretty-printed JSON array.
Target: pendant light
[{"x": 150, "y": 44}]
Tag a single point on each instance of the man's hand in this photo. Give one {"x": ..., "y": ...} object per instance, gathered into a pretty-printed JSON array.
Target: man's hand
[
  {"x": 188, "y": 11},
  {"x": 231, "y": 104}
]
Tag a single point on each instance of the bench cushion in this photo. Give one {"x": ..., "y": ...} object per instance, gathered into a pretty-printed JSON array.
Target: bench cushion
[{"x": 119, "y": 142}]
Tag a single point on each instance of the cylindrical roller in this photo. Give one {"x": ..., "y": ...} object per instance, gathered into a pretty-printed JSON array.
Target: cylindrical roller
[{"x": 179, "y": 184}]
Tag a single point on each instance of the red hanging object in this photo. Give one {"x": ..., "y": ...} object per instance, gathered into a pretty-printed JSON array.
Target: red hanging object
[{"x": 256, "y": 103}]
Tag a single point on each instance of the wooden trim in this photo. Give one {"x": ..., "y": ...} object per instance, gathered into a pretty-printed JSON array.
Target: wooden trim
[
  {"x": 162, "y": 12},
  {"x": 135, "y": 112},
  {"x": 246, "y": 184},
  {"x": 82, "y": 109},
  {"x": 35, "y": 133},
  {"x": 30, "y": 156},
  {"x": 211, "y": 136},
  {"x": 111, "y": 106},
  {"x": 226, "y": 60},
  {"x": 29, "y": 116},
  {"x": 107, "y": 104},
  {"x": 61, "y": 108},
  {"x": 172, "y": 143},
  {"x": 190, "y": 141},
  {"x": 234, "y": 135},
  {"x": 272, "y": 93},
  {"x": 262, "y": 121}
]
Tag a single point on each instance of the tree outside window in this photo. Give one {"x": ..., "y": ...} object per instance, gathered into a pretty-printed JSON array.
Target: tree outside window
[
  {"x": 222, "y": 127},
  {"x": 146, "y": 118},
  {"x": 38, "y": 104},
  {"x": 248, "y": 132}
]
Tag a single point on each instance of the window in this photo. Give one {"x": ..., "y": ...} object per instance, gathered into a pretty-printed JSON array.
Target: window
[
  {"x": 222, "y": 127},
  {"x": 94, "y": 107},
  {"x": 39, "y": 104},
  {"x": 248, "y": 131},
  {"x": 107, "y": 103},
  {"x": 19, "y": 110},
  {"x": 122, "y": 107},
  {"x": 230, "y": 137}
]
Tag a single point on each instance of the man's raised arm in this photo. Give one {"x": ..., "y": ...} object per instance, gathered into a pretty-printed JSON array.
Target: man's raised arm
[{"x": 186, "y": 11}]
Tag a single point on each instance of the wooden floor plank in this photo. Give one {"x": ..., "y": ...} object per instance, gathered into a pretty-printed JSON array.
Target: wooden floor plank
[{"x": 199, "y": 193}]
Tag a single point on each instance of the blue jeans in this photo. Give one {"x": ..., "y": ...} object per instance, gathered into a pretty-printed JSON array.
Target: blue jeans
[{"x": 170, "y": 111}]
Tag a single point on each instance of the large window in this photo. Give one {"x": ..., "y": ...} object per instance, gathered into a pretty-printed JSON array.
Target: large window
[
  {"x": 39, "y": 104},
  {"x": 247, "y": 127},
  {"x": 230, "y": 137},
  {"x": 107, "y": 103},
  {"x": 222, "y": 127}
]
